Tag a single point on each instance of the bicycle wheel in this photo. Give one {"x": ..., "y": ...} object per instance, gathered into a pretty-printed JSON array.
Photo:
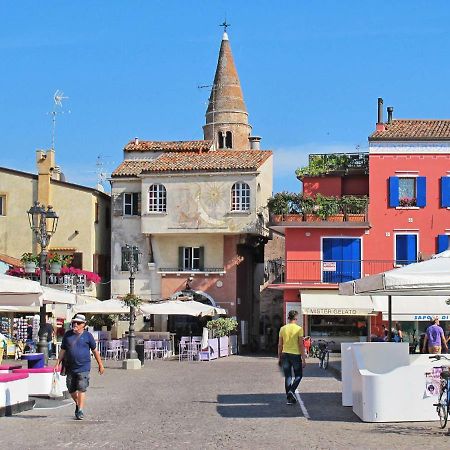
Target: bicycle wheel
[
  {"x": 325, "y": 360},
  {"x": 442, "y": 407}
]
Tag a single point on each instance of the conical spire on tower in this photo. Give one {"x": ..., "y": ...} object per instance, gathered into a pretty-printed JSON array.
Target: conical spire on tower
[{"x": 226, "y": 116}]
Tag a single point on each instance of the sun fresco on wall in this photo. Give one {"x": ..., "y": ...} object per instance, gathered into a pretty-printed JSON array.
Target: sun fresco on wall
[{"x": 205, "y": 205}]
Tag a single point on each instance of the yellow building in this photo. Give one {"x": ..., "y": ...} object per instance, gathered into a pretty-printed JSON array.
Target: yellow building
[{"x": 84, "y": 218}]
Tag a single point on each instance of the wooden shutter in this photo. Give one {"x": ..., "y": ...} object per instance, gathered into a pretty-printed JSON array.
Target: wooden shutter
[
  {"x": 137, "y": 202},
  {"x": 201, "y": 252},
  {"x": 442, "y": 243},
  {"x": 445, "y": 192},
  {"x": 117, "y": 204},
  {"x": 421, "y": 192},
  {"x": 77, "y": 260},
  {"x": 393, "y": 192},
  {"x": 180, "y": 257}
]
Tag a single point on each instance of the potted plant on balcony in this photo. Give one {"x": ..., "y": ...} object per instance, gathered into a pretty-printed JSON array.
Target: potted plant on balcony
[
  {"x": 294, "y": 208},
  {"x": 329, "y": 208},
  {"x": 55, "y": 262},
  {"x": 278, "y": 206},
  {"x": 310, "y": 209},
  {"x": 30, "y": 262},
  {"x": 355, "y": 207}
]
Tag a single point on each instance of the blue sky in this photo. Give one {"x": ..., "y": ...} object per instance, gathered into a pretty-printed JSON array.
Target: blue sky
[{"x": 311, "y": 72}]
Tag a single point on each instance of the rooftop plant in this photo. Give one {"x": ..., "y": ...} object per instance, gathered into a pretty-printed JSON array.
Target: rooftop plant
[{"x": 323, "y": 164}]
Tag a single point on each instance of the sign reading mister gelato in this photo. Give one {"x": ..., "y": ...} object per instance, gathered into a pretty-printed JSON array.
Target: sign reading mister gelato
[{"x": 333, "y": 311}]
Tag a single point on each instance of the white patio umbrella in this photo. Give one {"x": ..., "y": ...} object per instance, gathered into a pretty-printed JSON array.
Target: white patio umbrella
[
  {"x": 15, "y": 291},
  {"x": 178, "y": 307},
  {"x": 111, "y": 306},
  {"x": 425, "y": 278}
]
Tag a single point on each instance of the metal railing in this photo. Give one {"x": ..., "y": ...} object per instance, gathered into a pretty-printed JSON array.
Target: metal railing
[{"x": 326, "y": 271}]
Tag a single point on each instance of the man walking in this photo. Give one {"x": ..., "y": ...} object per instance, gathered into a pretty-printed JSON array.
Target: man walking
[
  {"x": 434, "y": 338},
  {"x": 291, "y": 355},
  {"x": 76, "y": 348}
]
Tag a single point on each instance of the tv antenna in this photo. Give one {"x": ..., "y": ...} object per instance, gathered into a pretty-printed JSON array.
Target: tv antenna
[{"x": 58, "y": 98}]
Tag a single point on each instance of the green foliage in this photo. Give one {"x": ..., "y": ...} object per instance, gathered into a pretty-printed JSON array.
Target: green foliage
[
  {"x": 279, "y": 203},
  {"x": 327, "y": 206},
  {"x": 352, "y": 204},
  {"x": 101, "y": 320},
  {"x": 30, "y": 258},
  {"x": 222, "y": 326},
  {"x": 132, "y": 300},
  {"x": 323, "y": 164}
]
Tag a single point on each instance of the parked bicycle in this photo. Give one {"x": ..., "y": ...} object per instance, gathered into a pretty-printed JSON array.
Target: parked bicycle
[
  {"x": 443, "y": 404},
  {"x": 320, "y": 349}
]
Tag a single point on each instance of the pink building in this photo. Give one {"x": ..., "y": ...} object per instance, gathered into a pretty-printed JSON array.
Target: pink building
[{"x": 406, "y": 176}]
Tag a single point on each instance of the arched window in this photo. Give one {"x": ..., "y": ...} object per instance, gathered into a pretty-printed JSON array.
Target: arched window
[
  {"x": 221, "y": 139},
  {"x": 157, "y": 198},
  {"x": 240, "y": 197},
  {"x": 229, "y": 140}
]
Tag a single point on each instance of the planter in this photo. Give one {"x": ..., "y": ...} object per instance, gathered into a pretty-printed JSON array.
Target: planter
[
  {"x": 55, "y": 268},
  {"x": 277, "y": 218},
  {"x": 233, "y": 344},
  {"x": 29, "y": 267},
  {"x": 336, "y": 218},
  {"x": 293, "y": 218},
  {"x": 356, "y": 217},
  {"x": 223, "y": 346},
  {"x": 312, "y": 218}
]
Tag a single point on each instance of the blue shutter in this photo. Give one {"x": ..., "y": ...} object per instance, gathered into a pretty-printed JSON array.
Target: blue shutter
[
  {"x": 406, "y": 249},
  {"x": 445, "y": 192},
  {"x": 393, "y": 192},
  {"x": 411, "y": 248},
  {"x": 421, "y": 192},
  {"x": 442, "y": 241}
]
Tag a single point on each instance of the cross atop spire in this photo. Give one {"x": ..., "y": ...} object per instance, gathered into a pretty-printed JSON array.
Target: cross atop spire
[{"x": 225, "y": 25}]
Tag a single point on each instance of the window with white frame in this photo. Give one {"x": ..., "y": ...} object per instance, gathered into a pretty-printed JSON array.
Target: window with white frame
[
  {"x": 131, "y": 204},
  {"x": 157, "y": 198},
  {"x": 2, "y": 205},
  {"x": 240, "y": 197},
  {"x": 191, "y": 258}
]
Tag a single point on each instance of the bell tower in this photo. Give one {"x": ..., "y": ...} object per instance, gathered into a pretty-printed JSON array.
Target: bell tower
[{"x": 227, "y": 117}]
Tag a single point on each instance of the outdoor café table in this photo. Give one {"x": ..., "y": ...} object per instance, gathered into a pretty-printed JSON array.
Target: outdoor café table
[{"x": 34, "y": 360}]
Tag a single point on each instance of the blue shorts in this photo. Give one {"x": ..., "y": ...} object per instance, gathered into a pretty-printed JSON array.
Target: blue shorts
[{"x": 77, "y": 381}]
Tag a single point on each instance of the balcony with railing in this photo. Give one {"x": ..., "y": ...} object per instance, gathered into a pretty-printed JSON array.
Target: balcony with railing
[{"x": 326, "y": 272}]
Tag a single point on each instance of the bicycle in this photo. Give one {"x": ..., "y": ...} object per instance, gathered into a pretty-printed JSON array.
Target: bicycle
[
  {"x": 443, "y": 405},
  {"x": 320, "y": 350},
  {"x": 314, "y": 351}
]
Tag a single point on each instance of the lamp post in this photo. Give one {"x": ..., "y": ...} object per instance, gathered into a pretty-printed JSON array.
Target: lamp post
[
  {"x": 43, "y": 223},
  {"x": 132, "y": 259}
]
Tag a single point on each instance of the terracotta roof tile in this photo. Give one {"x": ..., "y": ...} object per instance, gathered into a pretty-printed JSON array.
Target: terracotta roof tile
[
  {"x": 11, "y": 261},
  {"x": 168, "y": 146},
  {"x": 221, "y": 160},
  {"x": 413, "y": 129}
]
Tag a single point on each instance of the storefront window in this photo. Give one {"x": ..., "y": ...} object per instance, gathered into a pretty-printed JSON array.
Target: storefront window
[{"x": 337, "y": 326}]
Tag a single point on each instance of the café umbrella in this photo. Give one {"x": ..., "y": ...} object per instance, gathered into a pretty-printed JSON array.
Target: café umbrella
[
  {"x": 15, "y": 291},
  {"x": 427, "y": 278}
]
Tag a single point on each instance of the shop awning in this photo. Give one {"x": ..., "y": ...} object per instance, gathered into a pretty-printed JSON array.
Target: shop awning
[
  {"x": 411, "y": 308},
  {"x": 330, "y": 303}
]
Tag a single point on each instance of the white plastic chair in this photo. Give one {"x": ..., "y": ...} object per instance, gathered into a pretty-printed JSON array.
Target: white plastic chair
[{"x": 112, "y": 349}]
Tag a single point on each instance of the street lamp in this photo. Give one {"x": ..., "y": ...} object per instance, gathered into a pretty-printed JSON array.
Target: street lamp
[
  {"x": 132, "y": 258},
  {"x": 43, "y": 223}
]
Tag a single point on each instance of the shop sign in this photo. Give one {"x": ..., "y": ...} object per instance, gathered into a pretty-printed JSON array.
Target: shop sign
[
  {"x": 334, "y": 311},
  {"x": 418, "y": 317},
  {"x": 329, "y": 266}
]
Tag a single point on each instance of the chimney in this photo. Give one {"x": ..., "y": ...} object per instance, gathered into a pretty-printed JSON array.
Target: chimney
[
  {"x": 390, "y": 110},
  {"x": 380, "y": 124},
  {"x": 136, "y": 141},
  {"x": 255, "y": 142}
]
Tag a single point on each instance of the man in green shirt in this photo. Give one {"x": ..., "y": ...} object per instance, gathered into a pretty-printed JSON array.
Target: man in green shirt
[{"x": 291, "y": 355}]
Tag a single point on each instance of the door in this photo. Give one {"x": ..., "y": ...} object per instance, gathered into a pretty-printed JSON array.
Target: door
[{"x": 341, "y": 259}]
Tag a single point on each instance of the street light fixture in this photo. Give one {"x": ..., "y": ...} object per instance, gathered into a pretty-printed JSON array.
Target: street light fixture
[
  {"x": 132, "y": 258},
  {"x": 43, "y": 223}
]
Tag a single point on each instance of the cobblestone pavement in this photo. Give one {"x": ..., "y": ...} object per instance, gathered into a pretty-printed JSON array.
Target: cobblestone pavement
[{"x": 234, "y": 402}]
